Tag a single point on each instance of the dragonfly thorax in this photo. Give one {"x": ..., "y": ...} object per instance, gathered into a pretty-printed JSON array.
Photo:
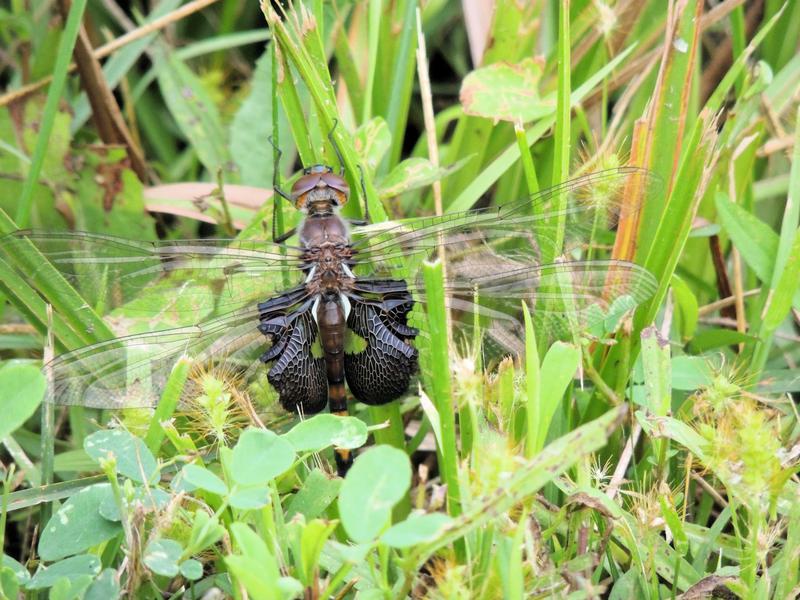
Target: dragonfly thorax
[{"x": 326, "y": 241}]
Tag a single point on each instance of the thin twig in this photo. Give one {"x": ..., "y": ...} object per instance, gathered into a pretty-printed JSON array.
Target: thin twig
[
  {"x": 713, "y": 307},
  {"x": 707, "y": 487},
  {"x": 624, "y": 461}
]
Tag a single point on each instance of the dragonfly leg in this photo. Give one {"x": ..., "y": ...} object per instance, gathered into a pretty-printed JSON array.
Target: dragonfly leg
[
  {"x": 278, "y": 239},
  {"x": 336, "y": 147},
  {"x": 276, "y": 187},
  {"x": 364, "y": 194}
]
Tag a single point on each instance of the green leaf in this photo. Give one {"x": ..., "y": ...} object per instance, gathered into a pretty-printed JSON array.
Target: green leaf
[
  {"x": 116, "y": 67},
  {"x": 317, "y": 493},
  {"x": 786, "y": 288},
  {"x": 23, "y": 389},
  {"x": 256, "y": 567},
  {"x": 249, "y": 498},
  {"x": 250, "y": 130},
  {"x": 372, "y": 140},
  {"x": 323, "y": 430},
  {"x": 73, "y": 568},
  {"x": 191, "y": 569},
  {"x": 377, "y": 481},
  {"x": 686, "y": 303},
  {"x": 556, "y": 373},
  {"x": 710, "y": 339},
  {"x": 675, "y": 430},
  {"x": 259, "y": 456},
  {"x": 118, "y": 185},
  {"x": 167, "y": 404},
  {"x": 626, "y": 587},
  {"x": 69, "y": 34},
  {"x": 70, "y": 589},
  {"x": 312, "y": 540},
  {"x": 104, "y": 587},
  {"x": 9, "y": 583},
  {"x": 440, "y": 412},
  {"x": 204, "y": 479},
  {"x": 755, "y": 240},
  {"x": 20, "y": 572},
  {"x": 78, "y": 525},
  {"x": 162, "y": 556},
  {"x": 690, "y": 373},
  {"x": 206, "y": 531},
  {"x": 132, "y": 457},
  {"x": 417, "y": 529},
  {"x": 533, "y": 381},
  {"x": 506, "y": 92},
  {"x": 531, "y": 475},
  {"x": 779, "y": 381},
  {"x": 193, "y": 110},
  {"x": 675, "y": 525},
  {"x": 411, "y": 174},
  {"x": 657, "y": 378},
  {"x": 290, "y": 587}
]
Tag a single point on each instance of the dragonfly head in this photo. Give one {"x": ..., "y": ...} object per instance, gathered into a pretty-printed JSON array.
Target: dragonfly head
[{"x": 319, "y": 185}]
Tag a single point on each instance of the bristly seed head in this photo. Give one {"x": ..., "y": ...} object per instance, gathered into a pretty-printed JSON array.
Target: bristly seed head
[{"x": 213, "y": 400}]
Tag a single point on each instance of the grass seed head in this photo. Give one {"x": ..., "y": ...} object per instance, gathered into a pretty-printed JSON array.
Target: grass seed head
[
  {"x": 744, "y": 449},
  {"x": 214, "y": 400}
]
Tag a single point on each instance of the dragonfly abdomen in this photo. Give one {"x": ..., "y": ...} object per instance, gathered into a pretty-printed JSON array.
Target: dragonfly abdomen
[{"x": 331, "y": 321}]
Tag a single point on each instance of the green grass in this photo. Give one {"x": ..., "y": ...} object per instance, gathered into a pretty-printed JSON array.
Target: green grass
[{"x": 668, "y": 462}]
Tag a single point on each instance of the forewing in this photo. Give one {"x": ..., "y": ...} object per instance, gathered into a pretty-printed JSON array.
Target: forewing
[
  {"x": 182, "y": 275},
  {"x": 586, "y": 210}
]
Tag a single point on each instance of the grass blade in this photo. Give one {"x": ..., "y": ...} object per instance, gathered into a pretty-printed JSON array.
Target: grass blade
[{"x": 68, "y": 38}]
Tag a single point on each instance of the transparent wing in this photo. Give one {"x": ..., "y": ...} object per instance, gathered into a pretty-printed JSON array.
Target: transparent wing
[
  {"x": 131, "y": 371},
  {"x": 498, "y": 258},
  {"x": 184, "y": 275},
  {"x": 570, "y": 219},
  {"x": 566, "y": 299}
]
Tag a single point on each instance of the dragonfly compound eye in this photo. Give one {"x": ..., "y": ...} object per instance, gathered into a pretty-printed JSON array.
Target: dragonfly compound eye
[{"x": 331, "y": 187}]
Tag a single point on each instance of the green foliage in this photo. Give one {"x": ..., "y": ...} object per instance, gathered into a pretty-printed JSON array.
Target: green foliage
[
  {"x": 378, "y": 480},
  {"x": 28, "y": 384},
  {"x": 78, "y": 524},
  {"x": 652, "y": 454}
]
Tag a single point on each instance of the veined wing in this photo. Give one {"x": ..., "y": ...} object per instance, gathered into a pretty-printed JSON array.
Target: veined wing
[
  {"x": 185, "y": 275},
  {"x": 132, "y": 371},
  {"x": 569, "y": 219},
  {"x": 566, "y": 298}
]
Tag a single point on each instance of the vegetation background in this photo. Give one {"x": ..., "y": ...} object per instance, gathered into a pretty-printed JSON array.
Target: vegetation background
[{"x": 152, "y": 121}]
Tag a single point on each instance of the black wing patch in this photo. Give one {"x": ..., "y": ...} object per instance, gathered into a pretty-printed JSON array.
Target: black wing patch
[
  {"x": 296, "y": 374},
  {"x": 382, "y": 372}
]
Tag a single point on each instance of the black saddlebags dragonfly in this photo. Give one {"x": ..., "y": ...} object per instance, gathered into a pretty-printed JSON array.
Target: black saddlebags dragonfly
[{"x": 291, "y": 307}]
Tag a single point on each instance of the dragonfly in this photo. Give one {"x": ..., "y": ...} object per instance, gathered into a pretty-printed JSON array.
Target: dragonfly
[{"x": 287, "y": 309}]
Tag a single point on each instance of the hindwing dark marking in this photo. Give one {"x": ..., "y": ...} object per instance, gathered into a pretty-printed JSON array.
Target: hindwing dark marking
[
  {"x": 296, "y": 374},
  {"x": 382, "y": 372}
]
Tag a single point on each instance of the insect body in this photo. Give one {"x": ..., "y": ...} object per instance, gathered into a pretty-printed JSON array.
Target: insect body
[
  {"x": 252, "y": 302},
  {"x": 331, "y": 302}
]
